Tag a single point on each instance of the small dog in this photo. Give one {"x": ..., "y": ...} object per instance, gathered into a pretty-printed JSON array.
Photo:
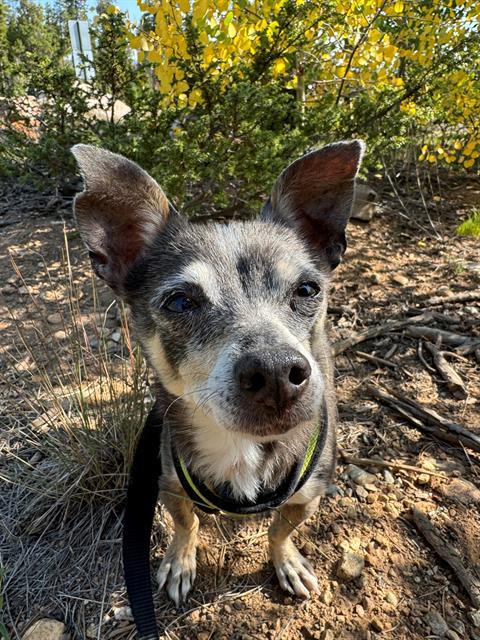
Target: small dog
[{"x": 232, "y": 319}]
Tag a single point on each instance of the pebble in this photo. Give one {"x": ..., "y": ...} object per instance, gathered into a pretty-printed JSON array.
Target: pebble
[
  {"x": 474, "y": 617},
  {"x": 328, "y": 635},
  {"x": 392, "y": 510},
  {"x": 437, "y": 624},
  {"x": 360, "y": 476},
  {"x": 116, "y": 335},
  {"x": 351, "y": 566},
  {"x": 195, "y": 615},
  {"x": 452, "y": 635},
  {"x": 23, "y": 291},
  {"x": 361, "y": 492},
  {"x": 54, "y": 318},
  {"x": 388, "y": 477},
  {"x": 459, "y": 626},
  {"x": 46, "y": 629},
  {"x": 400, "y": 279},
  {"x": 360, "y": 611},
  {"x": 60, "y": 335},
  {"x": 203, "y": 635},
  {"x": 122, "y": 613},
  {"x": 376, "y": 624},
  {"x": 391, "y": 598},
  {"x": 327, "y": 597}
]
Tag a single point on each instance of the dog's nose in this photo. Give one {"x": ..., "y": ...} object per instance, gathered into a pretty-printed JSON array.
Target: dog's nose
[{"x": 273, "y": 378}]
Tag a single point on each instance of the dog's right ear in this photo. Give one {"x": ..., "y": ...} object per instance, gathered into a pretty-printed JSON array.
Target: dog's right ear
[{"x": 119, "y": 213}]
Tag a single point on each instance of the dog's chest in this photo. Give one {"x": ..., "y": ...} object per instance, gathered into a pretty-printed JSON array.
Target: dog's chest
[{"x": 226, "y": 457}]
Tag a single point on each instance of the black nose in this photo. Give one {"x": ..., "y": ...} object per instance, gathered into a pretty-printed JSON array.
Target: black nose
[{"x": 273, "y": 378}]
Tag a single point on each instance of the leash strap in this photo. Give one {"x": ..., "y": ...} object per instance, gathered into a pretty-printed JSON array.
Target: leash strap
[{"x": 142, "y": 494}]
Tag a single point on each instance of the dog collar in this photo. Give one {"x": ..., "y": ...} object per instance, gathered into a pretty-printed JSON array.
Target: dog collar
[{"x": 220, "y": 502}]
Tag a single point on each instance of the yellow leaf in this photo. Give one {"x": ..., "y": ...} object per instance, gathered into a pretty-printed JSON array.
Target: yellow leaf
[
  {"x": 232, "y": 30},
  {"x": 469, "y": 163},
  {"x": 431, "y": 157},
  {"x": 279, "y": 67},
  {"x": 398, "y": 7},
  {"x": 184, "y": 5}
]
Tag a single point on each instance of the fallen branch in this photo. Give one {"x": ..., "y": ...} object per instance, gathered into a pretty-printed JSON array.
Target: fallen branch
[
  {"x": 389, "y": 464},
  {"x": 464, "y": 296},
  {"x": 373, "y": 332},
  {"x": 448, "y": 553},
  {"x": 427, "y": 420},
  {"x": 448, "y": 373},
  {"x": 464, "y": 344}
]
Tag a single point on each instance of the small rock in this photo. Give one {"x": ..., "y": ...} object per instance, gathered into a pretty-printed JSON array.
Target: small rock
[
  {"x": 116, "y": 335},
  {"x": 381, "y": 539},
  {"x": 388, "y": 477},
  {"x": 452, "y": 635},
  {"x": 360, "y": 476},
  {"x": 392, "y": 510},
  {"x": 437, "y": 624},
  {"x": 46, "y": 629},
  {"x": 122, "y": 613},
  {"x": 351, "y": 513},
  {"x": 400, "y": 279},
  {"x": 23, "y": 291},
  {"x": 443, "y": 291},
  {"x": 423, "y": 478},
  {"x": 60, "y": 335},
  {"x": 351, "y": 566},
  {"x": 474, "y": 617},
  {"x": 54, "y": 318},
  {"x": 391, "y": 598},
  {"x": 327, "y": 597},
  {"x": 361, "y": 492},
  {"x": 376, "y": 624},
  {"x": 203, "y": 635},
  {"x": 359, "y": 610},
  {"x": 328, "y": 635}
]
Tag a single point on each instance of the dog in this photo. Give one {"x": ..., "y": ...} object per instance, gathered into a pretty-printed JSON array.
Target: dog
[{"x": 232, "y": 319}]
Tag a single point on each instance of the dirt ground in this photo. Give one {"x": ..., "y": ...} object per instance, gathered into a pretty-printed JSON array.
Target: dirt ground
[{"x": 404, "y": 590}]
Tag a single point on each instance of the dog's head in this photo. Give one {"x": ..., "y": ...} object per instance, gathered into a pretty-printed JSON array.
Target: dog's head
[{"x": 228, "y": 314}]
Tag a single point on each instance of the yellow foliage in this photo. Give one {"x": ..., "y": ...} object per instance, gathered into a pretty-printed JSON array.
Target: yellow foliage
[{"x": 353, "y": 44}]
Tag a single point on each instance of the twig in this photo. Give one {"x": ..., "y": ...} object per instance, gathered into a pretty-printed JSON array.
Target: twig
[
  {"x": 448, "y": 553},
  {"x": 376, "y": 359},
  {"x": 422, "y": 359},
  {"x": 464, "y": 344},
  {"x": 373, "y": 332},
  {"x": 448, "y": 373},
  {"x": 389, "y": 464},
  {"x": 426, "y": 419},
  {"x": 464, "y": 296}
]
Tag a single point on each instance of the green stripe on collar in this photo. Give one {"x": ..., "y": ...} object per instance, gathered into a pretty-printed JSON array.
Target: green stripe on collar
[{"x": 206, "y": 500}]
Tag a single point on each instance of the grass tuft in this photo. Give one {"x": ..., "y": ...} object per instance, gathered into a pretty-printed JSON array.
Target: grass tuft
[
  {"x": 77, "y": 403},
  {"x": 471, "y": 226}
]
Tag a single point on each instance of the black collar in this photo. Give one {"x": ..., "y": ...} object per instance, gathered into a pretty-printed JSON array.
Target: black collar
[{"x": 223, "y": 503}]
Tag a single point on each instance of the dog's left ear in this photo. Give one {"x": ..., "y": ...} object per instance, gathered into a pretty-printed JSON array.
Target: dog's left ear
[{"x": 315, "y": 194}]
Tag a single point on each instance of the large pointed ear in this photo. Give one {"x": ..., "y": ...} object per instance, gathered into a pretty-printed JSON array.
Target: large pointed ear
[
  {"x": 314, "y": 195},
  {"x": 119, "y": 213}
]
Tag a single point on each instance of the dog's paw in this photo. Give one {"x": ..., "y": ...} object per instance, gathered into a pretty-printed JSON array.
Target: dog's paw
[
  {"x": 295, "y": 573},
  {"x": 177, "y": 571}
]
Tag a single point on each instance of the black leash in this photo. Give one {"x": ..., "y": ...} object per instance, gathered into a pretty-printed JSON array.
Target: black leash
[{"x": 142, "y": 495}]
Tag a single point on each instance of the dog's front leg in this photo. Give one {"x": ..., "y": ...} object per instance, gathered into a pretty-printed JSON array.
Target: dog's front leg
[
  {"x": 295, "y": 573},
  {"x": 179, "y": 566}
]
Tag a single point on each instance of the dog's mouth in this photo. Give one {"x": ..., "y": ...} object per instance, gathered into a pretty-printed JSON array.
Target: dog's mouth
[{"x": 270, "y": 423}]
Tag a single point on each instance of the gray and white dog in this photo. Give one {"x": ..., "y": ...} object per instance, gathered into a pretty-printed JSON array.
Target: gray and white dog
[{"x": 232, "y": 319}]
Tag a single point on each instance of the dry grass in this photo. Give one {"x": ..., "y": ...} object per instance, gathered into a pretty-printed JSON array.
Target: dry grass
[{"x": 74, "y": 411}]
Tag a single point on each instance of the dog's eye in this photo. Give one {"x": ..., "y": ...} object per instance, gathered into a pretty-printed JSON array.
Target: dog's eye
[
  {"x": 307, "y": 290},
  {"x": 179, "y": 303}
]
